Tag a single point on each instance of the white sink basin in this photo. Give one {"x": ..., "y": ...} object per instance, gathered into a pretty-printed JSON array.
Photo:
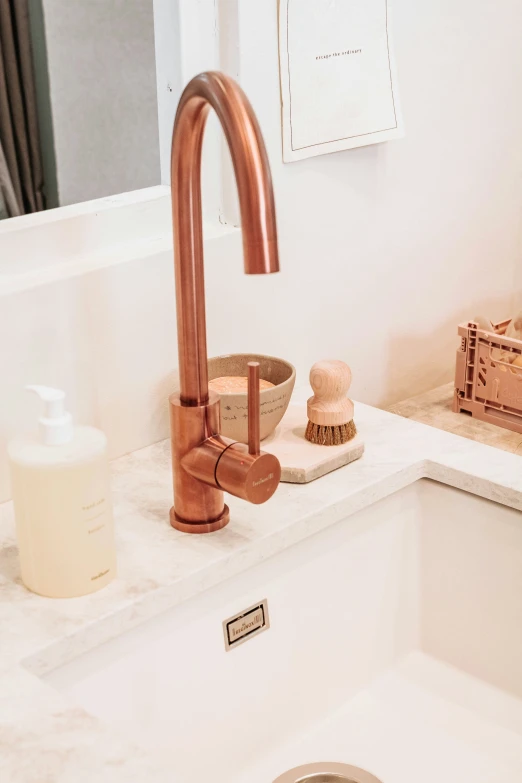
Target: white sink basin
[{"x": 395, "y": 645}]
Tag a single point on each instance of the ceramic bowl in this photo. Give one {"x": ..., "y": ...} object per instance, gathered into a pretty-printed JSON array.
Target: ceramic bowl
[{"x": 273, "y": 401}]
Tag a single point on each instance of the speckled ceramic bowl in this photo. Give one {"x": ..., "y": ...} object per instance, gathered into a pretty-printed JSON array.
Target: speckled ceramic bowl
[{"x": 274, "y": 401}]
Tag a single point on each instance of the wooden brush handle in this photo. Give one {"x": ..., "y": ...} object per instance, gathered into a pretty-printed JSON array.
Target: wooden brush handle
[{"x": 330, "y": 380}]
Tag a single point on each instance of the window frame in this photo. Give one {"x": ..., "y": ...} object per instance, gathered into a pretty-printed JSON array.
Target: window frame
[{"x": 68, "y": 240}]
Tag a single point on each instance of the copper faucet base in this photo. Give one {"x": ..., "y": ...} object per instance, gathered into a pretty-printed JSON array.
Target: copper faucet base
[
  {"x": 196, "y": 502},
  {"x": 202, "y": 527}
]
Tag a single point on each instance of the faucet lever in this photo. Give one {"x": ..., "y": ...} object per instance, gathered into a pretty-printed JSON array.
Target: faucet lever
[
  {"x": 243, "y": 470},
  {"x": 254, "y": 409}
]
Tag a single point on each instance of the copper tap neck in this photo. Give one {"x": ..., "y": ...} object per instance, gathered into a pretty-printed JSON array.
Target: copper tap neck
[{"x": 257, "y": 207}]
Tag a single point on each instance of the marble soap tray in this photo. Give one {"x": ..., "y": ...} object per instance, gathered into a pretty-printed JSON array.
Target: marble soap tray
[{"x": 300, "y": 460}]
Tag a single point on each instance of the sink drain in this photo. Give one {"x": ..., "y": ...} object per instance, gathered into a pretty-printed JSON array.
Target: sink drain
[{"x": 327, "y": 773}]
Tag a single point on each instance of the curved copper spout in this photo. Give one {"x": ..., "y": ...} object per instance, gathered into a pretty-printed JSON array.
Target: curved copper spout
[
  {"x": 256, "y": 203},
  {"x": 204, "y": 464}
]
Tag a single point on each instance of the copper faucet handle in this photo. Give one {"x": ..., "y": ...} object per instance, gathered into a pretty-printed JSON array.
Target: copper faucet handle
[
  {"x": 246, "y": 471},
  {"x": 253, "y": 477},
  {"x": 254, "y": 409},
  {"x": 224, "y": 464},
  {"x": 243, "y": 470}
]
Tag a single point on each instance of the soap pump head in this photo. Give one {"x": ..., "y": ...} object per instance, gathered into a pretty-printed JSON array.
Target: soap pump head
[{"x": 56, "y": 424}]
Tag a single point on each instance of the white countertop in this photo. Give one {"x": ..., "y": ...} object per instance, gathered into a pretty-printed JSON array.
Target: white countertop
[{"x": 45, "y": 738}]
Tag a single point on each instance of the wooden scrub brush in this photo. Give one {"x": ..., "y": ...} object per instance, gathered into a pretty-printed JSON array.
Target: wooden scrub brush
[{"x": 330, "y": 412}]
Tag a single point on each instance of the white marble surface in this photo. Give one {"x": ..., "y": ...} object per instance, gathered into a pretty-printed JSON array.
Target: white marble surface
[{"x": 42, "y": 736}]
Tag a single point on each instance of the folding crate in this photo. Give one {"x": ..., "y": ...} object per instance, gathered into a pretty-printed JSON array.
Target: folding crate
[{"x": 487, "y": 385}]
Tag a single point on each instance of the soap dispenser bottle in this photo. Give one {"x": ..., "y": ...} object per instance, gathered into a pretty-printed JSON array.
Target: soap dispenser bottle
[{"x": 62, "y": 503}]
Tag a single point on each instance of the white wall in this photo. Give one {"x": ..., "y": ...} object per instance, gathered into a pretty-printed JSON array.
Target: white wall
[
  {"x": 102, "y": 76},
  {"x": 386, "y": 248},
  {"x": 383, "y": 249}
]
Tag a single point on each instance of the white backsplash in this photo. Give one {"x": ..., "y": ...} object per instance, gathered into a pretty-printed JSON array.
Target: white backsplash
[{"x": 383, "y": 250}]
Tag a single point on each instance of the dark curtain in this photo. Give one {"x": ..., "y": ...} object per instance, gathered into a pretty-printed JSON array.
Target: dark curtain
[{"x": 19, "y": 139}]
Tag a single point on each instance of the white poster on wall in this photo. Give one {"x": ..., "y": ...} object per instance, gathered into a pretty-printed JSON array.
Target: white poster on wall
[{"x": 338, "y": 79}]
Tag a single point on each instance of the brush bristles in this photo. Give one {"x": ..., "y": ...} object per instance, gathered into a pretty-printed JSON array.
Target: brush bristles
[{"x": 330, "y": 436}]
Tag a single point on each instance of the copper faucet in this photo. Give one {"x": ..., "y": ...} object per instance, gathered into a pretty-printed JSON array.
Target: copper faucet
[{"x": 203, "y": 462}]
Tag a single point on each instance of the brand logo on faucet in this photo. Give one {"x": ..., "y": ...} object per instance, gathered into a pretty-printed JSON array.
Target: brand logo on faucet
[{"x": 263, "y": 480}]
